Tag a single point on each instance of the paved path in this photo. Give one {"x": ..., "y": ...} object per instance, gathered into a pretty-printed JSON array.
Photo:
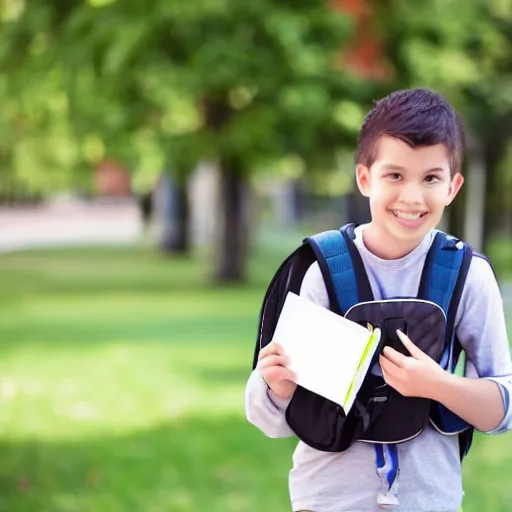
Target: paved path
[{"x": 69, "y": 224}]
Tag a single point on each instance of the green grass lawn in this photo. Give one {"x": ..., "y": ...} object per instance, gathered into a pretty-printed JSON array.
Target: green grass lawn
[{"x": 122, "y": 380}]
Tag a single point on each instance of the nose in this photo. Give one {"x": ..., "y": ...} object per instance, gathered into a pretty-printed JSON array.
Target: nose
[{"x": 411, "y": 193}]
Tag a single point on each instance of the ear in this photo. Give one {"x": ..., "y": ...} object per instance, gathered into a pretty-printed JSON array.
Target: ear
[
  {"x": 363, "y": 179},
  {"x": 455, "y": 186}
]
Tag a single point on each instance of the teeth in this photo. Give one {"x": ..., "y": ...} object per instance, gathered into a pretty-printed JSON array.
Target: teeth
[{"x": 407, "y": 216}]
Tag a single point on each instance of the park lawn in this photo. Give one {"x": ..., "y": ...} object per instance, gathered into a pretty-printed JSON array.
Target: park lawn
[{"x": 122, "y": 383}]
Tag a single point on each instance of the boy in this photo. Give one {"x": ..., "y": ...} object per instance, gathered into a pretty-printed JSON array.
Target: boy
[{"x": 408, "y": 164}]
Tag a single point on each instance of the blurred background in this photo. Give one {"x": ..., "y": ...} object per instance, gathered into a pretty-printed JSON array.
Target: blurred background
[{"x": 158, "y": 160}]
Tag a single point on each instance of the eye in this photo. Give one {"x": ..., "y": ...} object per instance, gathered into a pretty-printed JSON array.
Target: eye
[
  {"x": 432, "y": 178},
  {"x": 395, "y": 176}
]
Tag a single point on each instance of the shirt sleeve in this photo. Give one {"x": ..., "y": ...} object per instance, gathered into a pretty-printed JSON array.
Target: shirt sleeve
[
  {"x": 263, "y": 408},
  {"x": 481, "y": 330}
]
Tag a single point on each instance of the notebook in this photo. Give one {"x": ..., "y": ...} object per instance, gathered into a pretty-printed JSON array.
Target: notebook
[{"x": 329, "y": 354}]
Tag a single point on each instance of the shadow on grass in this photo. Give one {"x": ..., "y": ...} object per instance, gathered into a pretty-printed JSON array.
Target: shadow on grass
[
  {"x": 82, "y": 271},
  {"x": 213, "y": 376},
  {"x": 194, "y": 464},
  {"x": 193, "y": 329}
]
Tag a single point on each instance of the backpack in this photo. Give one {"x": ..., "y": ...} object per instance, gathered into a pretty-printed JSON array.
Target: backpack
[{"x": 380, "y": 414}]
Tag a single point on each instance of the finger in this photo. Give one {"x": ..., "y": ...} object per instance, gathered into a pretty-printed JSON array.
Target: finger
[
  {"x": 273, "y": 360},
  {"x": 389, "y": 367},
  {"x": 394, "y": 356},
  {"x": 415, "y": 352},
  {"x": 388, "y": 379},
  {"x": 271, "y": 348},
  {"x": 278, "y": 373}
]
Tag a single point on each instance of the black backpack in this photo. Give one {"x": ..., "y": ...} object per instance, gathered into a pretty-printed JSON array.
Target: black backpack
[{"x": 380, "y": 414}]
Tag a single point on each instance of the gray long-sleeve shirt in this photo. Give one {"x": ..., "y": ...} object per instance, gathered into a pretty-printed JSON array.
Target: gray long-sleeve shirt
[{"x": 430, "y": 470}]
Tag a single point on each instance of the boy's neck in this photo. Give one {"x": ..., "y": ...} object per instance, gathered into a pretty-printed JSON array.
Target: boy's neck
[{"x": 384, "y": 246}]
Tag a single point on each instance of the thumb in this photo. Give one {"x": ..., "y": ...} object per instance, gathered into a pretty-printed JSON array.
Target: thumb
[{"x": 415, "y": 352}]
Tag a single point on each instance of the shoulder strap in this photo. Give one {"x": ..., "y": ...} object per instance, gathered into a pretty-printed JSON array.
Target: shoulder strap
[
  {"x": 342, "y": 268},
  {"x": 444, "y": 274},
  {"x": 442, "y": 281}
]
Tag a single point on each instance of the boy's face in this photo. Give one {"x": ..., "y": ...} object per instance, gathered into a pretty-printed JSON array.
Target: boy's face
[{"x": 408, "y": 188}]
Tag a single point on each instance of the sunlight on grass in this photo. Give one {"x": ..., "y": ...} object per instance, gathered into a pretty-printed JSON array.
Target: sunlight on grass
[{"x": 115, "y": 387}]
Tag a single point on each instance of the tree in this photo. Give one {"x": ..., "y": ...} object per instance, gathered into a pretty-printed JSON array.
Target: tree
[
  {"x": 242, "y": 84},
  {"x": 38, "y": 153},
  {"x": 463, "y": 49}
]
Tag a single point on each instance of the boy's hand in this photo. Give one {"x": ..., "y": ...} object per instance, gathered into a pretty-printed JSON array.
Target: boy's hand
[
  {"x": 272, "y": 366},
  {"x": 416, "y": 375}
]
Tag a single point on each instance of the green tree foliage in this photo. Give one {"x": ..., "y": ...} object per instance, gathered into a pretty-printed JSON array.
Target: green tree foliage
[
  {"x": 463, "y": 49},
  {"x": 37, "y": 153},
  {"x": 167, "y": 84}
]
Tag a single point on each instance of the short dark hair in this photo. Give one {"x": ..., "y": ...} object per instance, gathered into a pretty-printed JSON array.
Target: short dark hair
[{"x": 418, "y": 117}]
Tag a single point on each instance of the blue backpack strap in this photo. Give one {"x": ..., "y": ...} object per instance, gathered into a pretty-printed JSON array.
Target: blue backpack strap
[
  {"x": 342, "y": 268},
  {"x": 442, "y": 281},
  {"x": 444, "y": 274}
]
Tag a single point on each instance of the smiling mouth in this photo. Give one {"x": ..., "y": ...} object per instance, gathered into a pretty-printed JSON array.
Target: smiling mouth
[{"x": 408, "y": 215}]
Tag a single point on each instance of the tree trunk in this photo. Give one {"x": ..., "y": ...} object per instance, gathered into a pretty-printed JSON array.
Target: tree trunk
[
  {"x": 173, "y": 216},
  {"x": 234, "y": 235},
  {"x": 474, "y": 212},
  {"x": 495, "y": 148},
  {"x": 358, "y": 207},
  {"x": 179, "y": 243}
]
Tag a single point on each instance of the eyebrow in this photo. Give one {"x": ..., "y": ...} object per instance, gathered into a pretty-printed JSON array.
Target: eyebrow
[{"x": 392, "y": 167}]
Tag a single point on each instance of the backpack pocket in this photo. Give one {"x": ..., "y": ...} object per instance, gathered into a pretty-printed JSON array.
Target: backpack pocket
[{"x": 316, "y": 420}]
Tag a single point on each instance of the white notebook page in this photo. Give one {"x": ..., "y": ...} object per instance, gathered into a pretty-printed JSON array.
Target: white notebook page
[{"x": 324, "y": 348}]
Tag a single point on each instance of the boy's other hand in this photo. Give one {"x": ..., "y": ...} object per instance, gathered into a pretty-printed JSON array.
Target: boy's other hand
[
  {"x": 272, "y": 364},
  {"x": 416, "y": 375}
]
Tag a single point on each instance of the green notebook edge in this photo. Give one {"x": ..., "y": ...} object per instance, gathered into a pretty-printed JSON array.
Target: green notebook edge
[{"x": 369, "y": 350}]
